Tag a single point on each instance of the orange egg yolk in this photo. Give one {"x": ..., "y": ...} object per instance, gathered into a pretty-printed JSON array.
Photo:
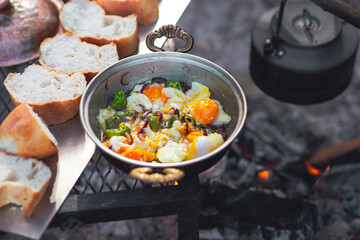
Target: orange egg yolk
[
  {"x": 205, "y": 111},
  {"x": 155, "y": 92}
]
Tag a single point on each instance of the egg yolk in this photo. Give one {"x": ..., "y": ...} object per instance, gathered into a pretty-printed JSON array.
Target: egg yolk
[
  {"x": 155, "y": 92},
  {"x": 205, "y": 111}
]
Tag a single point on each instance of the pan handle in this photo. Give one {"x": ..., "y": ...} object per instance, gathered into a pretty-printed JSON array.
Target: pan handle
[
  {"x": 157, "y": 176},
  {"x": 170, "y": 31}
]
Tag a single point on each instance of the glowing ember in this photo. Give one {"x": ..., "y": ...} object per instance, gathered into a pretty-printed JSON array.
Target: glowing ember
[
  {"x": 312, "y": 171},
  {"x": 176, "y": 183},
  {"x": 264, "y": 174},
  {"x": 318, "y": 180}
]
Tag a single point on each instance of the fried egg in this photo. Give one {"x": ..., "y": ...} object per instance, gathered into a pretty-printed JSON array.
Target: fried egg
[
  {"x": 205, "y": 111},
  {"x": 155, "y": 92},
  {"x": 172, "y": 152},
  {"x": 203, "y": 145},
  {"x": 105, "y": 114},
  {"x": 135, "y": 99},
  {"x": 197, "y": 92},
  {"x": 137, "y": 89},
  {"x": 176, "y": 99},
  {"x": 222, "y": 118},
  {"x": 117, "y": 142},
  {"x": 173, "y": 132}
]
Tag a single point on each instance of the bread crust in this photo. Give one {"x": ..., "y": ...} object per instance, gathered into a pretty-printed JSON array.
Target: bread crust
[
  {"x": 21, "y": 129},
  {"x": 125, "y": 46},
  {"x": 52, "y": 112},
  {"x": 119, "y": 7},
  {"x": 34, "y": 200},
  {"x": 3, "y": 195},
  {"x": 23, "y": 195},
  {"x": 146, "y": 10}
]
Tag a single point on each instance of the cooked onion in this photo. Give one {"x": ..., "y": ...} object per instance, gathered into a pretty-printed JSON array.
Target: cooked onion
[
  {"x": 106, "y": 84},
  {"x": 144, "y": 86},
  {"x": 160, "y": 115},
  {"x": 143, "y": 127},
  {"x": 129, "y": 138},
  {"x": 122, "y": 79}
]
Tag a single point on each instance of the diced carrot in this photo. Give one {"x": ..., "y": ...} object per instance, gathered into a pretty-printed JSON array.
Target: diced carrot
[
  {"x": 121, "y": 150},
  {"x": 135, "y": 154},
  {"x": 139, "y": 154},
  {"x": 149, "y": 155}
]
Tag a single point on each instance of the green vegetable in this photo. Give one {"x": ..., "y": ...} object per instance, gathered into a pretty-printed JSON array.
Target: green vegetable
[
  {"x": 118, "y": 118},
  {"x": 174, "y": 84},
  {"x": 154, "y": 123},
  {"x": 119, "y": 101},
  {"x": 189, "y": 119},
  {"x": 109, "y": 133},
  {"x": 117, "y": 132},
  {"x": 123, "y": 115},
  {"x": 124, "y": 129},
  {"x": 172, "y": 120},
  {"x": 202, "y": 126}
]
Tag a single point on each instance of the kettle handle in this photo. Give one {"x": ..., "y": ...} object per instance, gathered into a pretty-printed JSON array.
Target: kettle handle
[
  {"x": 170, "y": 31},
  {"x": 157, "y": 175}
]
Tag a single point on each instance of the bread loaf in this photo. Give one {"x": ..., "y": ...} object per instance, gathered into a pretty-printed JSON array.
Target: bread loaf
[
  {"x": 23, "y": 133},
  {"x": 147, "y": 11},
  {"x": 23, "y": 181},
  {"x": 54, "y": 96},
  {"x": 88, "y": 20},
  {"x": 67, "y": 54}
]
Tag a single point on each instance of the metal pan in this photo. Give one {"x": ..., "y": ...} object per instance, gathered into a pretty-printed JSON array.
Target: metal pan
[{"x": 176, "y": 66}]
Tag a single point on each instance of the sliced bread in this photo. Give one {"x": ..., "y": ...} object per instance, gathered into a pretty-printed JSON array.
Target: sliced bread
[
  {"x": 23, "y": 181},
  {"x": 54, "y": 96},
  {"x": 23, "y": 133},
  {"x": 66, "y": 53},
  {"x": 88, "y": 20},
  {"x": 147, "y": 11}
]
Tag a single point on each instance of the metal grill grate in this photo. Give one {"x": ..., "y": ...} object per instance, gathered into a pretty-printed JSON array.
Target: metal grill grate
[{"x": 101, "y": 176}]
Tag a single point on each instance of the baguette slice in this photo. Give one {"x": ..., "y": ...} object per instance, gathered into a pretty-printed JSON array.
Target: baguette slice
[
  {"x": 66, "y": 53},
  {"x": 54, "y": 96},
  {"x": 87, "y": 20},
  {"x": 147, "y": 11},
  {"x": 23, "y": 181},
  {"x": 23, "y": 133}
]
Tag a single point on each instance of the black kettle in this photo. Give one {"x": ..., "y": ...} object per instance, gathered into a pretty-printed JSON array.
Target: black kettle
[{"x": 301, "y": 54}]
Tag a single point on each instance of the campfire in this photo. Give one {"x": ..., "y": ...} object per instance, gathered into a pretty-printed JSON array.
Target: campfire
[{"x": 270, "y": 194}]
